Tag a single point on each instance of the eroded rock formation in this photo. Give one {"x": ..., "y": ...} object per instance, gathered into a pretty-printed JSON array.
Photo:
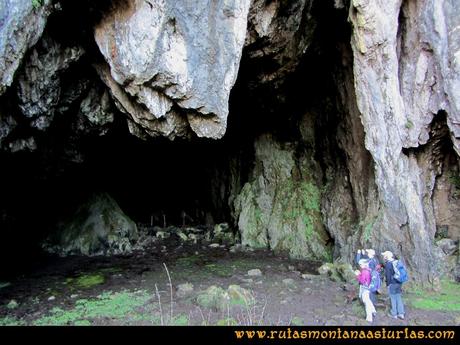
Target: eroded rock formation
[
  {"x": 279, "y": 208},
  {"x": 173, "y": 63},
  {"x": 21, "y": 25}
]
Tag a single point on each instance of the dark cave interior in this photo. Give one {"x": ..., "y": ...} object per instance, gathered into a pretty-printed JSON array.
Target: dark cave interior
[{"x": 158, "y": 180}]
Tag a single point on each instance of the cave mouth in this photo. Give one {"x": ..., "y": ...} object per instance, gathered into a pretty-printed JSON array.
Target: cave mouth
[
  {"x": 158, "y": 182},
  {"x": 155, "y": 182}
]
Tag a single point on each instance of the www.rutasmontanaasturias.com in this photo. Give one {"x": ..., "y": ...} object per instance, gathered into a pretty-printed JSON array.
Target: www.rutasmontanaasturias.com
[{"x": 339, "y": 333}]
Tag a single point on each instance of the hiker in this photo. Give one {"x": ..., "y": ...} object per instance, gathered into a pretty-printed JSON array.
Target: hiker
[
  {"x": 364, "y": 278},
  {"x": 374, "y": 264},
  {"x": 368, "y": 254},
  {"x": 394, "y": 287}
]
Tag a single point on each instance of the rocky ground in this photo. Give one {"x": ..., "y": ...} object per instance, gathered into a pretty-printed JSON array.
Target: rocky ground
[{"x": 211, "y": 284}]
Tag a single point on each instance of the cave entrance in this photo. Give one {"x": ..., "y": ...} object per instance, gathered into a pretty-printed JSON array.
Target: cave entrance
[
  {"x": 159, "y": 182},
  {"x": 183, "y": 183}
]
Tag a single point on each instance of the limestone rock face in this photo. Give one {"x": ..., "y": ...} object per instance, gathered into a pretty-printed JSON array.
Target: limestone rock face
[
  {"x": 39, "y": 85},
  {"x": 279, "y": 33},
  {"x": 98, "y": 227},
  {"x": 172, "y": 63},
  {"x": 95, "y": 112},
  {"x": 21, "y": 25},
  {"x": 280, "y": 207},
  {"x": 406, "y": 58}
]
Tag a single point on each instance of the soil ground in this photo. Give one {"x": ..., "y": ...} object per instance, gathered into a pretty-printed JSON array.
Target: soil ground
[{"x": 135, "y": 290}]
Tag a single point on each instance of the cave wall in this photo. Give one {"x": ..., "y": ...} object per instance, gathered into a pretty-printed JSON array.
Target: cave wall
[
  {"x": 406, "y": 70},
  {"x": 338, "y": 121}
]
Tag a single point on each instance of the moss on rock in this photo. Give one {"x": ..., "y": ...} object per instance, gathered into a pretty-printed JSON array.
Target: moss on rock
[
  {"x": 279, "y": 209},
  {"x": 99, "y": 226}
]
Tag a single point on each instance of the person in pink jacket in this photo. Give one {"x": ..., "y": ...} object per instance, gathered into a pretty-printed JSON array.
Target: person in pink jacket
[{"x": 364, "y": 278}]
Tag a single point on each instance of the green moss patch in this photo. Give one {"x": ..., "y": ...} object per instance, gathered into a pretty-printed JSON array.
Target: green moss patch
[
  {"x": 448, "y": 299},
  {"x": 11, "y": 321},
  {"x": 120, "y": 305},
  {"x": 86, "y": 281}
]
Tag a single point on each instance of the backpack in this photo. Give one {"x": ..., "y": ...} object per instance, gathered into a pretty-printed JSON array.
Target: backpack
[
  {"x": 375, "y": 281},
  {"x": 400, "y": 274}
]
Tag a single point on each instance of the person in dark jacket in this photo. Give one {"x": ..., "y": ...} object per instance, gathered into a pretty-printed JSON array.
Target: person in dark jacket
[{"x": 394, "y": 287}]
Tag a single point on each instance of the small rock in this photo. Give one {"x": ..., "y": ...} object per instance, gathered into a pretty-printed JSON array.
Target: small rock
[
  {"x": 254, "y": 272},
  {"x": 247, "y": 280},
  {"x": 236, "y": 248},
  {"x": 214, "y": 245},
  {"x": 4, "y": 284},
  {"x": 447, "y": 245},
  {"x": 184, "y": 289},
  {"x": 457, "y": 321},
  {"x": 73, "y": 296},
  {"x": 162, "y": 234},
  {"x": 193, "y": 237},
  {"x": 291, "y": 268},
  {"x": 308, "y": 276},
  {"x": 325, "y": 268},
  {"x": 12, "y": 305},
  {"x": 51, "y": 298},
  {"x": 307, "y": 290},
  {"x": 289, "y": 282},
  {"x": 219, "y": 228},
  {"x": 283, "y": 268},
  {"x": 182, "y": 236}
]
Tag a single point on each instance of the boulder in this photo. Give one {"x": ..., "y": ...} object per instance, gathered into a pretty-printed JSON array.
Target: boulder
[
  {"x": 98, "y": 227},
  {"x": 223, "y": 234},
  {"x": 213, "y": 297},
  {"x": 240, "y": 296},
  {"x": 255, "y": 272},
  {"x": 217, "y": 298},
  {"x": 12, "y": 304},
  {"x": 338, "y": 272},
  {"x": 184, "y": 290},
  {"x": 448, "y": 246}
]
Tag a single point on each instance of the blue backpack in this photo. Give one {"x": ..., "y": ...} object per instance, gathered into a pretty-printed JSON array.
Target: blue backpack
[
  {"x": 400, "y": 274},
  {"x": 375, "y": 281}
]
